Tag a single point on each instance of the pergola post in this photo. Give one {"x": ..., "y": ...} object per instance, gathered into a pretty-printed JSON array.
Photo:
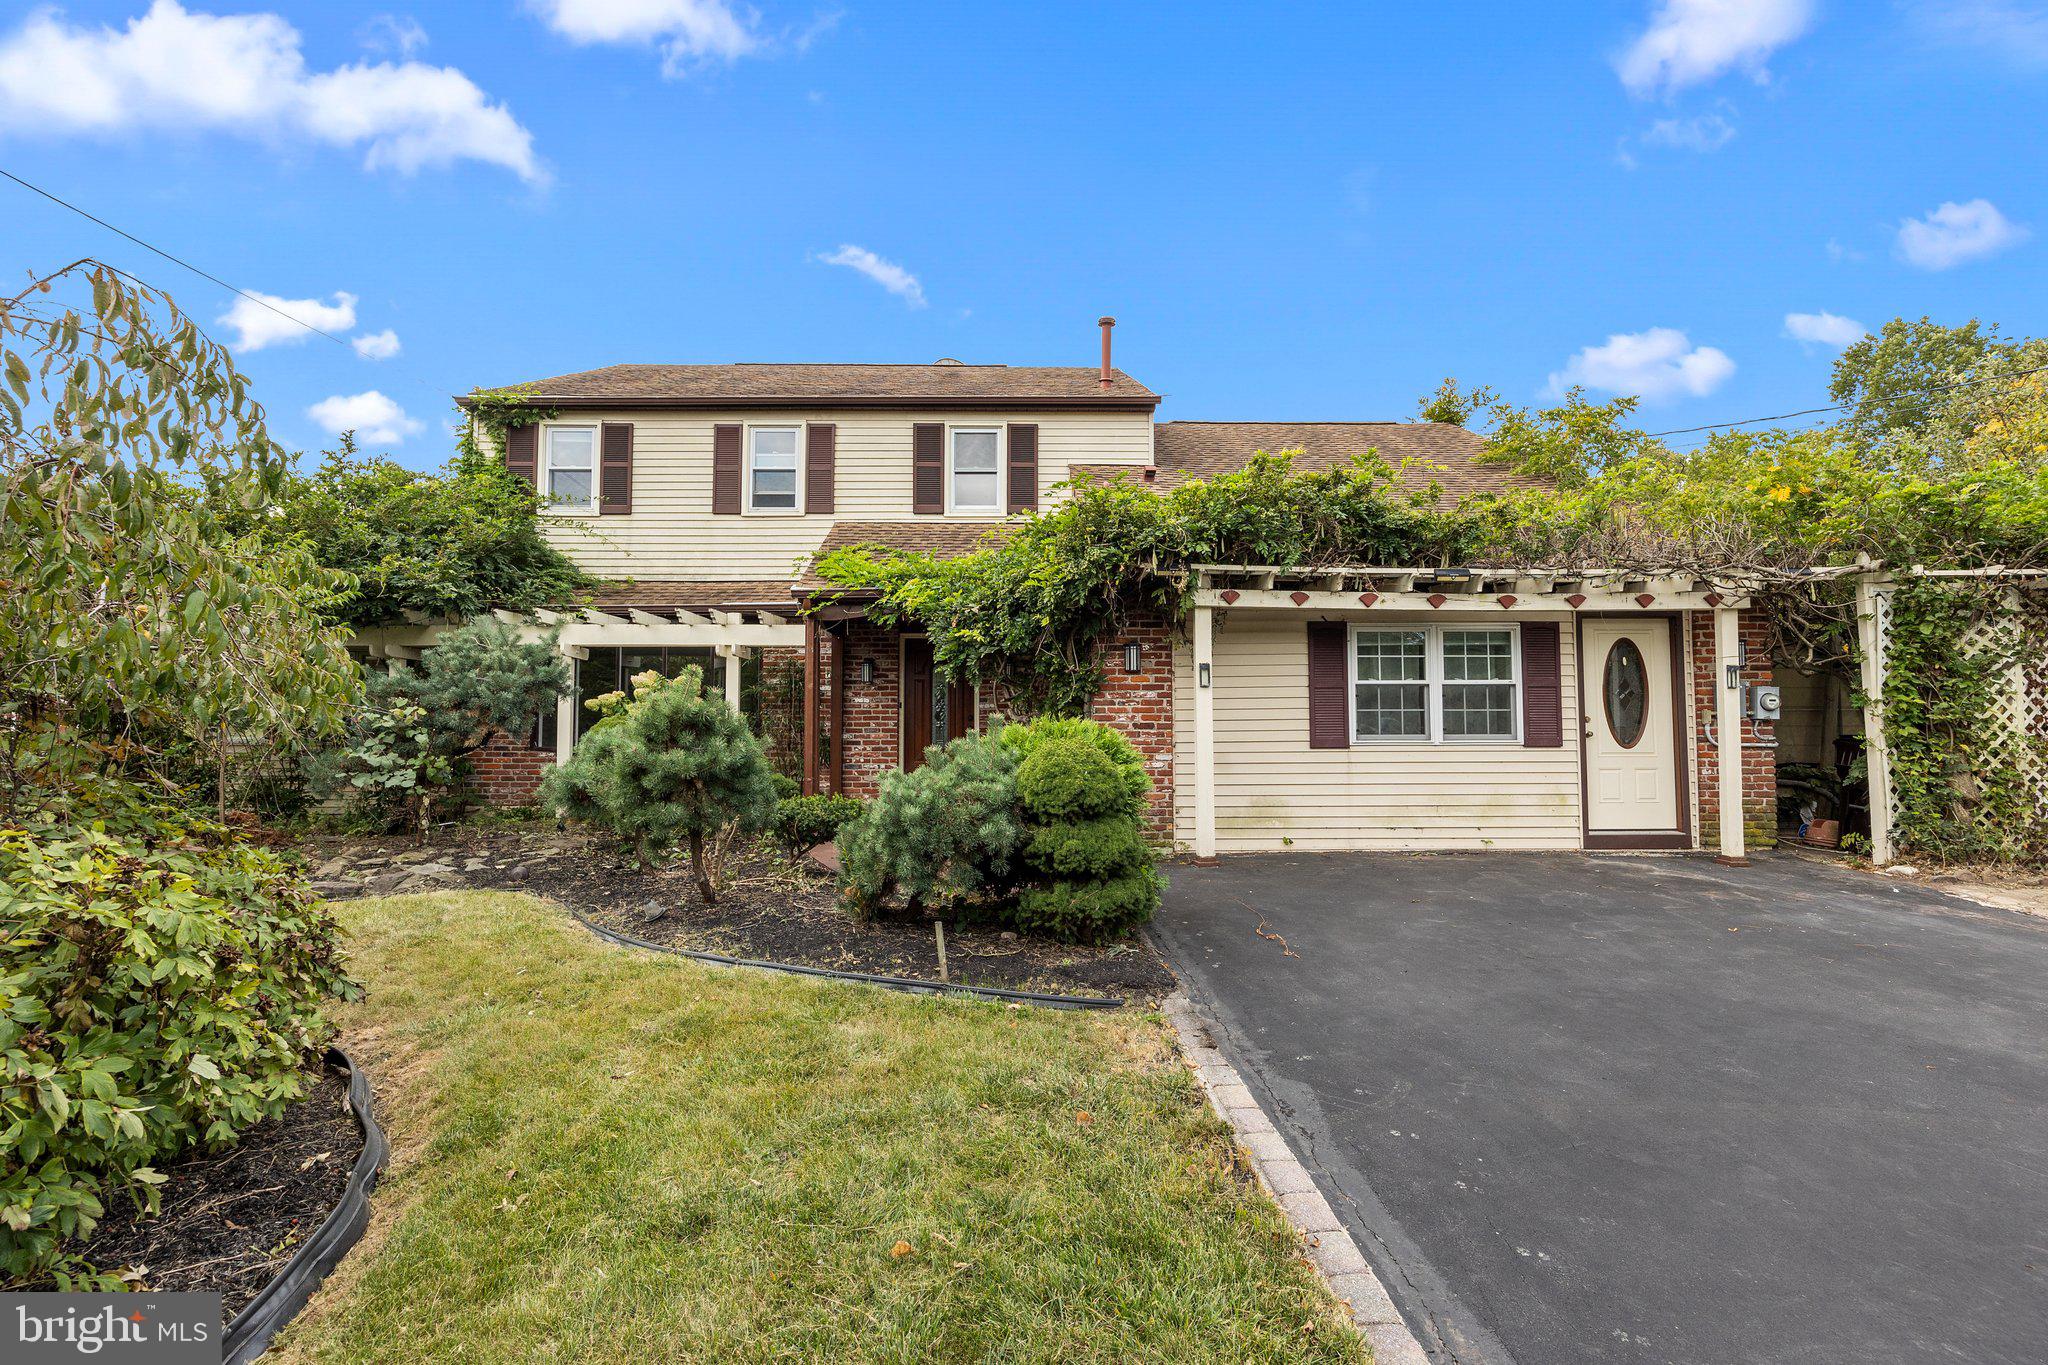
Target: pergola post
[
  {"x": 1728, "y": 729},
  {"x": 839, "y": 713},
  {"x": 810, "y": 782},
  {"x": 731, "y": 655},
  {"x": 1873, "y": 620},
  {"x": 1205, "y": 735}
]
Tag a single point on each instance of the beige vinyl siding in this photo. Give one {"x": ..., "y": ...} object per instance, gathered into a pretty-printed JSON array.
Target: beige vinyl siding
[
  {"x": 1271, "y": 788},
  {"x": 672, "y": 534}
]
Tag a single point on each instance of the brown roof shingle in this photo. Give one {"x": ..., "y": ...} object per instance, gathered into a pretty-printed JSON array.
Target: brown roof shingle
[
  {"x": 763, "y": 385},
  {"x": 1450, "y": 455},
  {"x": 946, "y": 539}
]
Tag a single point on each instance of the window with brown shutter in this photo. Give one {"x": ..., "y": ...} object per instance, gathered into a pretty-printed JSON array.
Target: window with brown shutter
[
  {"x": 725, "y": 469},
  {"x": 821, "y": 446},
  {"x": 1329, "y": 682},
  {"x": 1542, "y": 687},
  {"x": 615, "y": 469},
  {"x": 1023, "y": 466},
  {"x": 522, "y": 453},
  {"x": 928, "y": 468}
]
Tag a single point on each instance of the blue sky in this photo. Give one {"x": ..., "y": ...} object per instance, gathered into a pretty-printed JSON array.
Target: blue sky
[{"x": 1295, "y": 212}]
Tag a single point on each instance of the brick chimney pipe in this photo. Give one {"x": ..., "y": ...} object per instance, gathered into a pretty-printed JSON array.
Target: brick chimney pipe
[{"x": 1105, "y": 324}]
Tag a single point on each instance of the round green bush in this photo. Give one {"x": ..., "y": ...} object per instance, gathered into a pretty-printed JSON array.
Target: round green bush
[
  {"x": 1088, "y": 911},
  {"x": 1104, "y": 847},
  {"x": 1026, "y": 739},
  {"x": 163, "y": 985},
  {"x": 1069, "y": 779},
  {"x": 804, "y": 822}
]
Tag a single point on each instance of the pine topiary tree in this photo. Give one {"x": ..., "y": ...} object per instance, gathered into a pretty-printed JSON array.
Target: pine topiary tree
[
  {"x": 1094, "y": 874},
  {"x": 674, "y": 764},
  {"x": 944, "y": 834}
]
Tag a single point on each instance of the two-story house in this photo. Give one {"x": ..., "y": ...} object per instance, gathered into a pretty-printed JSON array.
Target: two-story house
[{"x": 1366, "y": 706}]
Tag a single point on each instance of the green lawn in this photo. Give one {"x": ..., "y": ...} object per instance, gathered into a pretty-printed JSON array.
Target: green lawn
[{"x": 607, "y": 1155}]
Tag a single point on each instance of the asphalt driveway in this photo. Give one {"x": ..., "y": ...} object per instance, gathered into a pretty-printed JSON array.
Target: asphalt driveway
[{"x": 1650, "y": 1109}]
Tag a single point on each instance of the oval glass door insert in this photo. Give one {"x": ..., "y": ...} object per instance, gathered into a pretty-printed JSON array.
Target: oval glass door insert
[{"x": 1626, "y": 691}]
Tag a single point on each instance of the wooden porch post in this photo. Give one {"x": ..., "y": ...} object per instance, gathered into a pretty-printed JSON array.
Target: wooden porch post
[
  {"x": 810, "y": 783},
  {"x": 1728, "y": 732},
  {"x": 1205, "y": 735},
  {"x": 1873, "y": 620},
  {"x": 732, "y": 676},
  {"x": 839, "y": 713}
]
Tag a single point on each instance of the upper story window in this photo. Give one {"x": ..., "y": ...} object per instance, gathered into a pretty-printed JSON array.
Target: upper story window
[
  {"x": 569, "y": 467},
  {"x": 772, "y": 468},
  {"x": 974, "y": 470},
  {"x": 1430, "y": 684}
]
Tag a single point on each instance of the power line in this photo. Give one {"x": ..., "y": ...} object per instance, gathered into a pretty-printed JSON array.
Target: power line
[
  {"x": 207, "y": 275},
  {"x": 1844, "y": 407}
]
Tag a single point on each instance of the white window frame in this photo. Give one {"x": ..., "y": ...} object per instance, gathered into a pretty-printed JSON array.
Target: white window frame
[
  {"x": 546, "y": 470},
  {"x": 747, "y": 469},
  {"x": 1433, "y": 682},
  {"x": 1002, "y": 503}
]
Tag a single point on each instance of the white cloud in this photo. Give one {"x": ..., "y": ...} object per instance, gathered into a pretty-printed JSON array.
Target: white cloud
[
  {"x": 1706, "y": 133},
  {"x": 888, "y": 274},
  {"x": 178, "y": 70},
  {"x": 400, "y": 33},
  {"x": 377, "y": 345},
  {"x": 371, "y": 416},
  {"x": 687, "y": 31},
  {"x": 1823, "y": 329},
  {"x": 1690, "y": 42},
  {"x": 257, "y": 326},
  {"x": 1656, "y": 364},
  {"x": 1955, "y": 233}
]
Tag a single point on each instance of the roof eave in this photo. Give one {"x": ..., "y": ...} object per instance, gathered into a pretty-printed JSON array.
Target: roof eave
[{"x": 581, "y": 403}]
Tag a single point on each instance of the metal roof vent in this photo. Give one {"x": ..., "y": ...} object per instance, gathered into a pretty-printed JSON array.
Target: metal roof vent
[{"x": 946, "y": 360}]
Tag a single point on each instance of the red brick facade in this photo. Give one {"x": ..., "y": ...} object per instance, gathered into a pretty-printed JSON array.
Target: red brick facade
[
  {"x": 506, "y": 771},
  {"x": 1141, "y": 706},
  {"x": 1759, "y": 752}
]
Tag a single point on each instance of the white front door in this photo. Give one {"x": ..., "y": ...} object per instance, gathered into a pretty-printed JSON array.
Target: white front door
[{"x": 1631, "y": 741}]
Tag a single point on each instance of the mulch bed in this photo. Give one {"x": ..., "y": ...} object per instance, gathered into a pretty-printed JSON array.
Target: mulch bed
[
  {"x": 771, "y": 910},
  {"x": 232, "y": 1219}
]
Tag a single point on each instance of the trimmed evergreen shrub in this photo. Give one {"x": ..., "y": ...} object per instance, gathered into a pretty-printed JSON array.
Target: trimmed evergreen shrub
[
  {"x": 1091, "y": 910},
  {"x": 1070, "y": 779},
  {"x": 674, "y": 763},
  {"x": 1099, "y": 848},
  {"x": 787, "y": 787},
  {"x": 945, "y": 834},
  {"x": 804, "y": 822},
  {"x": 1025, "y": 740},
  {"x": 163, "y": 987}
]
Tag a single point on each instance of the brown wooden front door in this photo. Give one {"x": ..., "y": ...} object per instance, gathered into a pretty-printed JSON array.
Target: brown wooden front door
[{"x": 931, "y": 714}]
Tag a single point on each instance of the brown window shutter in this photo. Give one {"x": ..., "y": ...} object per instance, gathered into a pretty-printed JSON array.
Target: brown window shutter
[
  {"x": 821, "y": 453},
  {"x": 725, "y": 469},
  {"x": 1023, "y": 466},
  {"x": 522, "y": 452},
  {"x": 928, "y": 468},
  {"x": 1329, "y": 679},
  {"x": 1542, "y": 687},
  {"x": 615, "y": 468}
]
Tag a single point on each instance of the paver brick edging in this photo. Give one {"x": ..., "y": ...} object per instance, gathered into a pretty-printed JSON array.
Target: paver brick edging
[
  {"x": 1330, "y": 1248},
  {"x": 264, "y": 1316}
]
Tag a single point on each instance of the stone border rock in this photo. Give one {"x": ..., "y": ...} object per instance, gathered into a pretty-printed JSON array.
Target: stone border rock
[{"x": 1330, "y": 1248}]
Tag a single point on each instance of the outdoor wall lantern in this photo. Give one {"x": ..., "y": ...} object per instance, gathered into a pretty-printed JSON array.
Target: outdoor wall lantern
[
  {"x": 867, "y": 671},
  {"x": 1132, "y": 657},
  {"x": 1201, "y": 675}
]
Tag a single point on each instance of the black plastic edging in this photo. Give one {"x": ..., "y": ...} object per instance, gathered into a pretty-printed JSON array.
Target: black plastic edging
[
  {"x": 249, "y": 1335},
  {"x": 909, "y": 984}
]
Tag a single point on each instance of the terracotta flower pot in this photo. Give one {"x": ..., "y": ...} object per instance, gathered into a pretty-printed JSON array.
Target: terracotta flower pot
[{"x": 1824, "y": 833}]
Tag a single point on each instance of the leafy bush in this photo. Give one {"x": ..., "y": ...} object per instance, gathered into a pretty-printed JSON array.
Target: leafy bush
[
  {"x": 1025, "y": 740},
  {"x": 943, "y": 834},
  {"x": 804, "y": 822},
  {"x": 674, "y": 763},
  {"x": 1069, "y": 779},
  {"x": 1093, "y": 872},
  {"x": 1091, "y": 910},
  {"x": 786, "y": 787},
  {"x": 162, "y": 988}
]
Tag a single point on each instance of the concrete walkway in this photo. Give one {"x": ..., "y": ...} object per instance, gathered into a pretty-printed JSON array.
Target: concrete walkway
[{"x": 1649, "y": 1109}]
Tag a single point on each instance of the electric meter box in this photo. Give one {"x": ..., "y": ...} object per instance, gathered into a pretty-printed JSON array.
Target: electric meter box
[{"x": 1765, "y": 703}]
